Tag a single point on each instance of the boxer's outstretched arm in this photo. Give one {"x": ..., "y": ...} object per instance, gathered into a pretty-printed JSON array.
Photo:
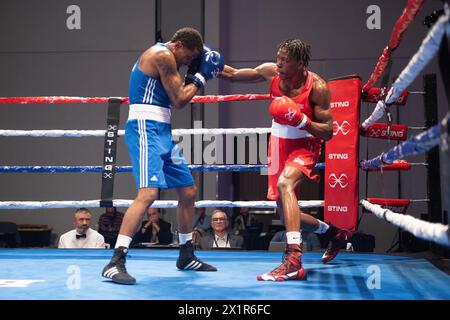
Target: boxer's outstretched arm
[{"x": 264, "y": 72}]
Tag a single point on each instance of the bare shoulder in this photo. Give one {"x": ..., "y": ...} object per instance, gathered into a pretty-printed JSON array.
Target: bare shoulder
[
  {"x": 320, "y": 93},
  {"x": 157, "y": 60},
  {"x": 319, "y": 85},
  {"x": 267, "y": 70},
  {"x": 161, "y": 56},
  {"x": 164, "y": 62}
]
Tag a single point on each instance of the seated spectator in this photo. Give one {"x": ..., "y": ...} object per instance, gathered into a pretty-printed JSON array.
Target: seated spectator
[
  {"x": 82, "y": 236},
  {"x": 155, "y": 230},
  {"x": 201, "y": 225},
  {"x": 244, "y": 222},
  {"x": 220, "y": 237},
  {"x": 202, "y": 221},
  {"x": 310, "y": 241},
  {"x": 109, "y": 225}
]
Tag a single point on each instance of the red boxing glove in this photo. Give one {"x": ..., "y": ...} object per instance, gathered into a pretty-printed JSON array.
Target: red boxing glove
[{"x": 285, "y": 111}]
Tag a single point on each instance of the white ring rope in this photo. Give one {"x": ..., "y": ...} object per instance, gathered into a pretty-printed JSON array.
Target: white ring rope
[
  {"x": 429, "y": 47},
  {"x": 435, "y": 232},
  {"x": 377, "y": 113},
  {"x": 121, "y": 203},
  {"x": 101, "y": 133},
  {"x": 426, "y": 52}
]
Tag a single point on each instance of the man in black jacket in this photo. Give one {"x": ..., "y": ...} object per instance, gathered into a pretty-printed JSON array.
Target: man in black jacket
[{"x": 155, "y": 230}]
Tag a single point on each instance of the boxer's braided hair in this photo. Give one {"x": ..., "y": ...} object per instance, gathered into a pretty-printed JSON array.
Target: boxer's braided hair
[{"x": 297, "y": 49}]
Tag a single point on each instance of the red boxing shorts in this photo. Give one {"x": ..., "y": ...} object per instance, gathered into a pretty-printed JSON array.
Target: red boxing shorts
[{"x": 302, "y": 154}]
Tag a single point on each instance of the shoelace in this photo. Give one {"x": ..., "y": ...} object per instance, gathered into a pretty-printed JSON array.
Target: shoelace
[
  {"x": 285, "y": 253},
  {"x": 282, "y": 268},
  {"x": 121, "y": 265}
]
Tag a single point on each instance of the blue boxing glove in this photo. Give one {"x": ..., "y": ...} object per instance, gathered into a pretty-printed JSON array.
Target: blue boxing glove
[
  {"x": 194, "y": 66},
  {"x": 211, "y": 64}
]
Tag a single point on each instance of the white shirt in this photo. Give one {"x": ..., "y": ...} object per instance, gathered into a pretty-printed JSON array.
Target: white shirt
[
  {"x": 221, "y": 242},
  {"x": 93, "y": 240}
]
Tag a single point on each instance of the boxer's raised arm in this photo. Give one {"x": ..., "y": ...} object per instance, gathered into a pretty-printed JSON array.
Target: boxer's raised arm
[{"x": 178, "y": 94}]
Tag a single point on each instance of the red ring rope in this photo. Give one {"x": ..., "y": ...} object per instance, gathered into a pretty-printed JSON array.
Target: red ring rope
[{"x": 103, "y": 100}]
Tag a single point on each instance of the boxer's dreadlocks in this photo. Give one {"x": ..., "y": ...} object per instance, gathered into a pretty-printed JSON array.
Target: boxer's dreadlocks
[{"x": 297, "y": 49}]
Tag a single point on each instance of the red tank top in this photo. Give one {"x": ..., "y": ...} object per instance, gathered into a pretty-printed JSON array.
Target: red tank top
[{"x": 302, "y": 99}]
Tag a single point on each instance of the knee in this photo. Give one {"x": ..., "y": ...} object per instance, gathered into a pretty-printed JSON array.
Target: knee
[
  {"x": 284, "y": 186},
  {"x": 188, "y": 194},
  {"x": 147, "y": 196}
]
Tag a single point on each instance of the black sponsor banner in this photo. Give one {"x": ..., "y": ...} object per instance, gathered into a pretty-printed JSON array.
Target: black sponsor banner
[{"x": 109, "y": 153}]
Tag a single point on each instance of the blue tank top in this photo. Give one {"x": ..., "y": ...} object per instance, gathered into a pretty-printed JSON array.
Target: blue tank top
[{"x": 147, "y": 90}]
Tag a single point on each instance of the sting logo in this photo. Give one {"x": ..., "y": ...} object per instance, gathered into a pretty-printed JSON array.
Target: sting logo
[
  {"x": 344, "y": 128},
  {"x": 342, "y": 180}
]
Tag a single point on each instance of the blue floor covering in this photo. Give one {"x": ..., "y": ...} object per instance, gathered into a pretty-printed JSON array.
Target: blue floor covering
[{"x": 62, "y": 274}]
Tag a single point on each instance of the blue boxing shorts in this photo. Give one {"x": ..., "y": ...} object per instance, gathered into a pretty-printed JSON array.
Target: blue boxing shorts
[{"x": 157, "y": 161}]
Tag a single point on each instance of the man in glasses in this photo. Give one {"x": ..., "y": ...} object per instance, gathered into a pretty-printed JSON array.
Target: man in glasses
[{"x": 220, "y": 237}]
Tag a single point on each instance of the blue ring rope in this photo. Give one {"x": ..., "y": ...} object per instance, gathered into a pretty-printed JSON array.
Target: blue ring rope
[{"x": 122, "y": 169}]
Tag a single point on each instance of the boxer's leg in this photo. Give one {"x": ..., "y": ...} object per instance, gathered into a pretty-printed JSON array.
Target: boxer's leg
[
  {"x": 115, "y": 269},
  {"x": 185, "y": 213},
  {"x": 291, "y": 267}
]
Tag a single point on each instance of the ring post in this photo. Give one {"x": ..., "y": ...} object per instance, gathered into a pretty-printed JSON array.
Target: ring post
[{"x": 341, "y": 185}]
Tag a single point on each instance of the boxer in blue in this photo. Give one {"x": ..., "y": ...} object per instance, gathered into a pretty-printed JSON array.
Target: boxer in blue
[{"x": 155, "y": 87}]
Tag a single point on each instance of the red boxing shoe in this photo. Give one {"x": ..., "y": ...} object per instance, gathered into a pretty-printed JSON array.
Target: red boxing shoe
[
  {"x": 338, "y": 240},
  {"x": 290, "y": 269}
]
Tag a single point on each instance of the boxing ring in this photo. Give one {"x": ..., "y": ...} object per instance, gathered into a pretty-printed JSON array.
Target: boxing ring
[
  {"x": 59, "y": 274},
  {"x": 46, "y": 274}
]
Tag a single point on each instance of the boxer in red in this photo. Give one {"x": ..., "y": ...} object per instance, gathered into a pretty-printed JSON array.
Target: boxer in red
[{"x": 302, "y": 119}]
